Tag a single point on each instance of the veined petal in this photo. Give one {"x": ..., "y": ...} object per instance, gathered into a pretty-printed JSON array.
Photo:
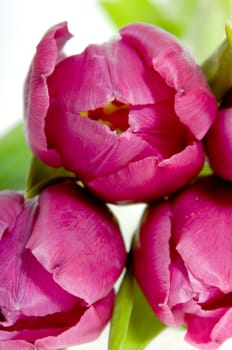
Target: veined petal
[
  {"x": 11, "y": 204},
  {"x": 36, "y": 98},
  {"x": 201, "y": 328},
  {"x": 87, "y": 329},
  {"x": 148, "y": 179},
  {"x": 218, "y": 143},
  {"x": 149, "y": 40},
  {"x": 92, "y": 149},
  {"x": 82, "y": 82},
  {"x": 202, "y": 220},
  {"x": 180, "y": 72},
  {"x": 151, "y": 253},
  {"x": 82, "y": 247},
  {"x": 132, "y": 80},
  {"x": 15, "y": 344}
]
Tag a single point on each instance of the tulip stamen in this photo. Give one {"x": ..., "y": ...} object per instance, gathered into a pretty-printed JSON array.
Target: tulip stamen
[{"x": 114, "y": 115}]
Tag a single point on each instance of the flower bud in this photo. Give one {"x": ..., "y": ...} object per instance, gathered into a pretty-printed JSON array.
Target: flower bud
[
  {"x": 127, "y": 117},
  {"x": 60, "y": 255},
  {"x": 182, "y": 260}
]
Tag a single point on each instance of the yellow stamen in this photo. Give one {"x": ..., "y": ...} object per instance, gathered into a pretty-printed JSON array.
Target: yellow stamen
[
  {"x": 112, "y": 107},
  {"x": 83, "y": 114}
]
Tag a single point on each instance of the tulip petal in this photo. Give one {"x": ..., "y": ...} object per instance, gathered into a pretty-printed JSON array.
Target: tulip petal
[
  {"x": 132, "y": 81},
  {"x": 16, "y": 344},
  {"x": 149, "y": 40},
  {"x": 178, "y": 69},
  {"x": 31, "y": 290},
  {"x": 97, "y": 149},
  {"x": 82, "y": 82},
  {"x": 160, "y": 127},
  {"x": 49, "y": 52},
  {"x": 151, "y": 254},
  {"x": 201, "y": 328},
  {"x": 11, "y": 204},
  {"x": 147, "y": 179},
  {"x": 223, "y": 328},
  {"x": 92, "y": 253},
  {"x": 202, "y": 221},
  {"x": 219, "y": 144},
  {"x": 87, "y": 329}
]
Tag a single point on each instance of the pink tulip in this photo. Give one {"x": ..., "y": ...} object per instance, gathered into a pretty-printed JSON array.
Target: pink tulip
[
  {"x": 218, "y": 141},
  {"x": 60, "y": 256},
  {"x": 182, "y": 261},
  {"x": 127, "y": 117}
]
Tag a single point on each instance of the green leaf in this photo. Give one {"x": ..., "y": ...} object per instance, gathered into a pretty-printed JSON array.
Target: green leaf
[
  {"x": 42, "y": 175},
  {"x": 134, "y": 323},
  {"x": 217, "y": 68},
  {"x": 14, "y": 159}
]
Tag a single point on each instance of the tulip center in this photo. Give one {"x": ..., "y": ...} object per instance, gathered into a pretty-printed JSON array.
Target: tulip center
[{"x": 114, "y": 115}]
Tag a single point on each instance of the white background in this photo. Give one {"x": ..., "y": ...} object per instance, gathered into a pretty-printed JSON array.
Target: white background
[{"x": 22, "y": 24}]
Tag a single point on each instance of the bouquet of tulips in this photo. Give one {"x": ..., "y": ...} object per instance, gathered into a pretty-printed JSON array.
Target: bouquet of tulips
[{"x": 134, "y": 120}]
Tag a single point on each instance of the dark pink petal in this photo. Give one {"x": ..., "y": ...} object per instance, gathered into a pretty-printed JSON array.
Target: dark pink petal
[
  {"x": 202, "y": 228},
  {"x": 82, "y": 246},
  {"x": 87, "y": 329},
  {"x": 11, "y": 204},
  {"x": 148, "y": 178},
  {"x": 149, "y": 40},
  {"x": 160, "y": 127},
  {"x": 201, "y": 328},
  {"x": 219, "y": 144},
  {"x": 31, "y": 290},
  {"x": 49, "y": 52},
  {"x": 92, "y": 149},
  {"x": 16, "y": 344},
  {"x": 151, "y": 259},
  {"x": 223, "y": 328},
  {"x": 179, "y": 71},
  {"x": 81, "y": 83},
  {"x": 132, "y": 81}
]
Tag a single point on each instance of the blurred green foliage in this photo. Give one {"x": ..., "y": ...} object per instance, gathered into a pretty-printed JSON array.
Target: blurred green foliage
[
  {"x": 199, "y": 24},
  {"x": 14, "y": 159}
]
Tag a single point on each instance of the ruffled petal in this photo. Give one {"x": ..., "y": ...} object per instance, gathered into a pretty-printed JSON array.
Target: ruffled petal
[
  {"x": 11, "y": 204},
  {"x": 31, "y": 290},
  {"x": 36, "y": 98},
  {"x": 177, "y": 68},
  {"x": 92, "y": 149},
  {"x": 82, "y": 82},
  {"x": 132, "y": 80},
  {"x": 201, "y": 225},
  {"x": 149, "y": 179},
  {"x": 219, "y": 144},
  {"x": 87, "y": 329},
  {"x": 149, "y": 40},
  {"x": 160, "y": 127},
  {"x": 82, "y": 247},
  {"x": 200, "y": 329}
]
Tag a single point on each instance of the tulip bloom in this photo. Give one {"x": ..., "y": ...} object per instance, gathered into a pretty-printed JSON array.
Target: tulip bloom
[
  {"x": 127, "y": 117},
  {"x": 182, "y": 260},
  {"x": 218, "y": 141},
  {"x": 59, "y": 258}
]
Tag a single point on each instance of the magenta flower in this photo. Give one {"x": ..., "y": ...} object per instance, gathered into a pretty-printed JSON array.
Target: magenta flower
[
  {"x": 127, "y": 117},
  {"x": 184, "y": 247},
  {"x": 218, "y": 141},
  {"x": 59, "y": 259}
]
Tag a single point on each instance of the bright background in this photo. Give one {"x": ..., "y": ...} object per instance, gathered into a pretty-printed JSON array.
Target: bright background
[{"x": 22, "y": 24}]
